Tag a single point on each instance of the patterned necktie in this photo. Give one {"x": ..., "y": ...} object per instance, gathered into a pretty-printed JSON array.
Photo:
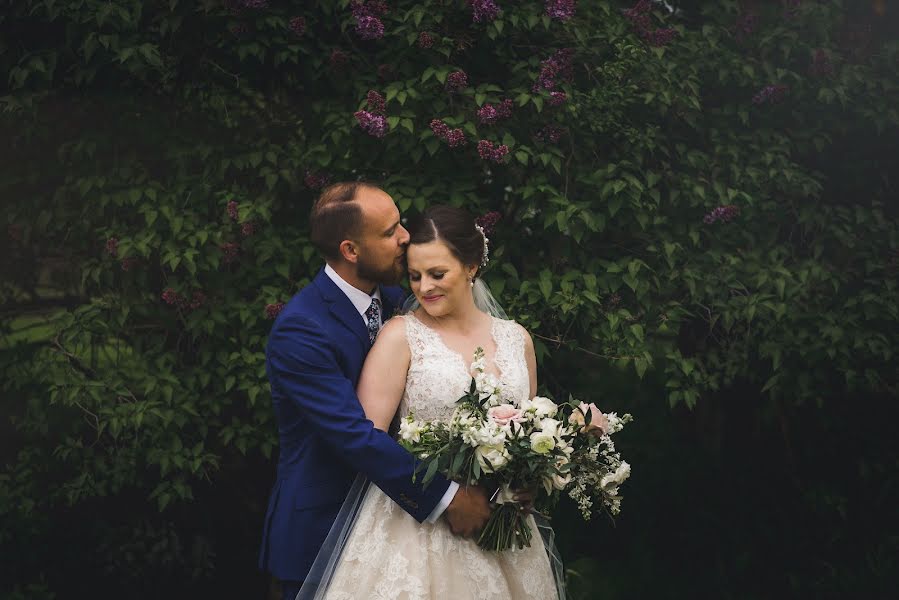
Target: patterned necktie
[{"x": 373, "y": 315}]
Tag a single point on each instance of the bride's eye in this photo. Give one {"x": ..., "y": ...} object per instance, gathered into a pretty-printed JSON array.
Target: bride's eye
[
  {"x": 414, "y": 277},
  {"x": 438, "y": 275}
]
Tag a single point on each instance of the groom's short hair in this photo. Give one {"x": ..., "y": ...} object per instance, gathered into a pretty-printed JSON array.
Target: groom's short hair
[{"x": 336, "y": 216}]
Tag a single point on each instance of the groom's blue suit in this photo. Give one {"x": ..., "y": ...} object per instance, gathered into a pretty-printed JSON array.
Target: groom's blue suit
[{"x": 314, "y": 357}]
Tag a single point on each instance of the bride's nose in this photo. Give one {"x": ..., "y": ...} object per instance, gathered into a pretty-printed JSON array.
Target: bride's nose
[{"x": 427, "y": 285}]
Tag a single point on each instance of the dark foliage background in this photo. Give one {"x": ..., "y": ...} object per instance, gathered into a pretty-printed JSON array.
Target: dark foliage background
[{"x": 700, "y": 230}]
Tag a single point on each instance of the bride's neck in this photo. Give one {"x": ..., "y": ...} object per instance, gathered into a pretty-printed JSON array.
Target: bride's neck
[{"x": 464, "y": 319}]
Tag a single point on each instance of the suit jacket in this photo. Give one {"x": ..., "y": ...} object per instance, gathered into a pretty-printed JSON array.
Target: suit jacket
[{"x": 314, "y": 357}]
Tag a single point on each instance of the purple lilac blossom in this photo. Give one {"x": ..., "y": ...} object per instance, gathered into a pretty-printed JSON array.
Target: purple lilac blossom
[
  {"x": 369, "y": 28},
  {"x": 557, "y": 66},
  {"x": 557, "y": 98},
  {"x": 550, "y": 134},
  {"x": 315, "y": 180},
  {"x": 425, "y": 40},
  {"x": 455, "y": 138},
  {"x": 560, "y": 9},
  {"x": 488, "y": 222},
  {"x": 273, "y": 310},
  {"x": 456, "y": 81},
  {"x": 170, "y": 296},
  {"x": 439, "y": 128},
  {"x": 298, "y": 25},
  {"x": 488, "y": 151},
  {"x": 374, "y": 125},
  {"x": 487, "y": 114},
  {"x": 770, "y": 94},
  {"x": 376, "y": 102},
  {"x": 338, "y": 59},
  {"x": 483, "y": 10},
  {"x": 661, "y": 37},
  {"x": 230, "y": 251},
  {"x": 724, "y": 214}
]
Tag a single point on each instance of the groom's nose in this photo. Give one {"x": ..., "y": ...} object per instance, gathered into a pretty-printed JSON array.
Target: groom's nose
[{"x": 403, "y": 236}]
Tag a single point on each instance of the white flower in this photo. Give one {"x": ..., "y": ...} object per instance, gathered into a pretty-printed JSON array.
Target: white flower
[
  {"x": 489, "y": 434},
  {"x": 488, "y": 388},
  {"x": 542, "y": 442},
  {"x": 480, "y": 362},
  {"x": 543, "y": 407},
  {"x": 492, "y": 458},
  {"x": 560, "y": 482},
  {"x": 550, "y": 426},
  {"x": 617, "y": 423},
  {"x": 410, "y": 430},
  {"x": 613, "y": 480}
]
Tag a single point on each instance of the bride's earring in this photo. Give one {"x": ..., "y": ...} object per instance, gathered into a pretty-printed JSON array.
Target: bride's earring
[{"x": 471, "y": 280}]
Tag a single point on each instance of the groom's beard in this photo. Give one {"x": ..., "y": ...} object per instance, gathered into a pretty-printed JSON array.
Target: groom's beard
[{"x": 390, "y": 275}]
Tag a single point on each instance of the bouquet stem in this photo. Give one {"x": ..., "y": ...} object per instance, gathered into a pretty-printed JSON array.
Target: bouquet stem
[{"x": 506, "y": 528}]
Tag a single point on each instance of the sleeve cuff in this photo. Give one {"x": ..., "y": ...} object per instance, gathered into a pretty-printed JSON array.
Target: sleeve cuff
[{"x": 448, "y": 496}]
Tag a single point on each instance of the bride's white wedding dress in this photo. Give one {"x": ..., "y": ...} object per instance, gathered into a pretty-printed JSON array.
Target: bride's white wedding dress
[{"x": 388, "y": 554}]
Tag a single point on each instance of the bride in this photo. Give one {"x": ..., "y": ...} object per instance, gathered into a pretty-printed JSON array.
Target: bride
[{"x": 420, "y": 364}]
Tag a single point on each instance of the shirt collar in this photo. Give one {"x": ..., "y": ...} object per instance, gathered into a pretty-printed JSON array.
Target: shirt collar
[{"x": 360, "y": 299}]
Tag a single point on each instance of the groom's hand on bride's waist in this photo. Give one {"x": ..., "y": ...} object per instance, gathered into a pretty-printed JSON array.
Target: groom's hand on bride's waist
[{"x": 469, "y": 510}]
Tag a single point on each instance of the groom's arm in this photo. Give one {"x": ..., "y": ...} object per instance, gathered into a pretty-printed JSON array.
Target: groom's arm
[{"x": 304, "y": 368}]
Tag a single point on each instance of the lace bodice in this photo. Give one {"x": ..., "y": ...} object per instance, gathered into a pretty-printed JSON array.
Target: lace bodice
[{"x": 438, "y": 375}]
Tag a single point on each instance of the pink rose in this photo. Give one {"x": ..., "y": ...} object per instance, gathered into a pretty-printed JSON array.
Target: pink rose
[
  {"x": 598, "y": 421},
  {"x": 505, "y": 414}
]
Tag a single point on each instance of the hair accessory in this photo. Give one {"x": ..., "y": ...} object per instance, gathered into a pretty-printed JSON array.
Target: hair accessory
[{"x": 484, "y": 260}]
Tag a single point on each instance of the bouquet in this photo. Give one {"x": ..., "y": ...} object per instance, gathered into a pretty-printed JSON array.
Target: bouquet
[{"x": 553, "y": 448}]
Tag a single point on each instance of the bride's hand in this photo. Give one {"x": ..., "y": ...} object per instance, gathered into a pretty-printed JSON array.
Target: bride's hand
[{"x": 468, "y": 511}]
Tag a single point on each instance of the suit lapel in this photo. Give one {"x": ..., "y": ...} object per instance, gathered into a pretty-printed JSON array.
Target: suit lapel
[
  {"x": 387, "y": 306},
  {"x": 341, "y": 307}
]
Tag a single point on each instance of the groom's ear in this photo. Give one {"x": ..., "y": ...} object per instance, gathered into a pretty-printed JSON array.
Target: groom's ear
[{"x": 349, "y": 251}]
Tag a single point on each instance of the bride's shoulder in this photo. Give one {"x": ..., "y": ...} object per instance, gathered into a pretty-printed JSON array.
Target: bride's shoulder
[
  {"x": 393, "y": 333},
  {"x": 394, "y": 327},
  {"x": 517, "y": 329}
]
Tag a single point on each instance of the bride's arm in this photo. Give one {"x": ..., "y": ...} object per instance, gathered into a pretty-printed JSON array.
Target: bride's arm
[
  {"x": 383, "y": 377},
  {"x": 531, "y": 358}
]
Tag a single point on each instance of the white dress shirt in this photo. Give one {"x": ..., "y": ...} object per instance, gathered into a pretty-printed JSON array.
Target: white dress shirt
[{"x": 362, "y": 302}]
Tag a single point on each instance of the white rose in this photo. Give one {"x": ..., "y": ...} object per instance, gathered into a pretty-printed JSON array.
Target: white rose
[
  {"x": 492, "y": 458},
  {"x": 617, "y": 478},
  {"x": 542, "y": 442},
  {"x": 544, "y": 407},
  {"x": 560, "y": 482}
]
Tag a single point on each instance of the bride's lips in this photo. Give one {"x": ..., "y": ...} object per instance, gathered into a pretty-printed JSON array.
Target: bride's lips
[{"x": 431, "y": 298}]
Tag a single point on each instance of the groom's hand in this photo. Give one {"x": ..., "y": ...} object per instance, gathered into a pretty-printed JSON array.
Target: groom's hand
[{"x": 468, "y": 512}]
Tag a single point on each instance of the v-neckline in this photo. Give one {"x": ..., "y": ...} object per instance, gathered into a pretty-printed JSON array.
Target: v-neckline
[{"x": 467, "y": 365}]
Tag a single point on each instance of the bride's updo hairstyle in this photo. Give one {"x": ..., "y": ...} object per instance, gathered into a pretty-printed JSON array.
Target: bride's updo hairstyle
[{"x": 453, "y": 226}]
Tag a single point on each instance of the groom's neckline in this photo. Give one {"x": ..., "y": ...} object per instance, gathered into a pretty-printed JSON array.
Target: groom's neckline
[{"x": 360, "y": 300}]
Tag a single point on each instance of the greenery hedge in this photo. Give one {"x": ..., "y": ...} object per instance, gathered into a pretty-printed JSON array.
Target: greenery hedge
[{"x": 694, "y": 209}]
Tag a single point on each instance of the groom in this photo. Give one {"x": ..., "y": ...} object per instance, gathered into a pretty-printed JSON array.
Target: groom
[{"x": 314, "y": 357}]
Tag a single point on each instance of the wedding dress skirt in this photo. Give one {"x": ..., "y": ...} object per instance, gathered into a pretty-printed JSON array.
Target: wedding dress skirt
[
  {"x": 391, "y": 556},
  {"x": 383, "y": 553}
]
